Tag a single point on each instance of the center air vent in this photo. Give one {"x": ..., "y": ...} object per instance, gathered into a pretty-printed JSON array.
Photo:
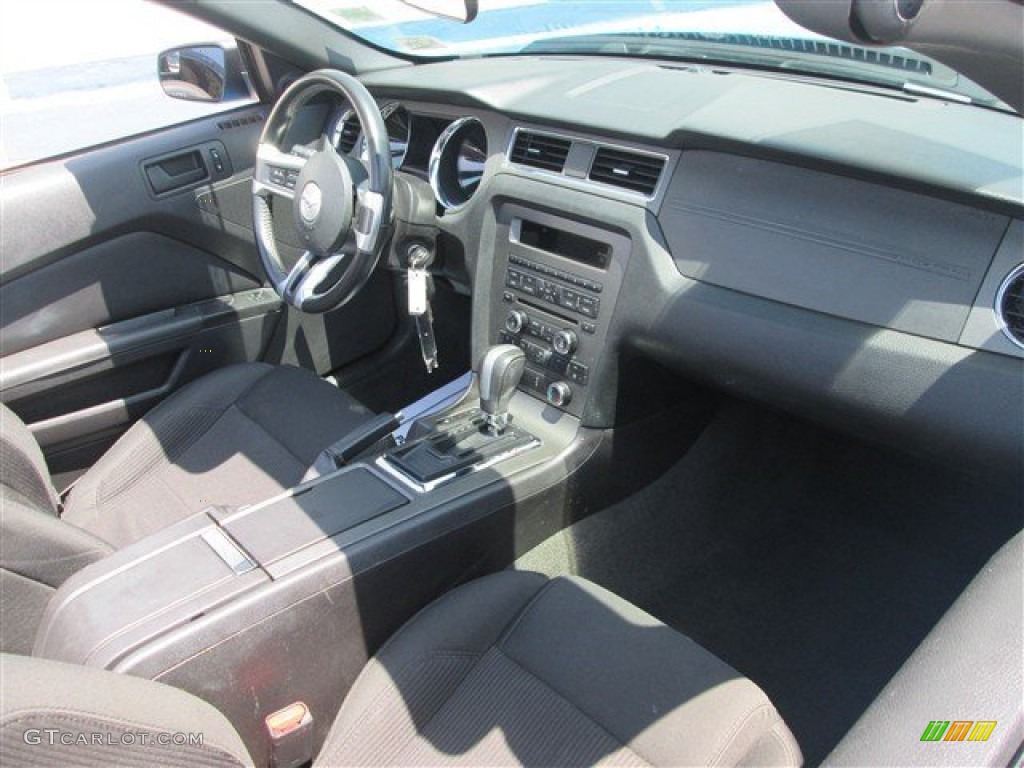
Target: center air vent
[
  {"x": 1010, "y": 305},
  {"x": 629, "y": 170},
  {"x": 539, "y": 150}
]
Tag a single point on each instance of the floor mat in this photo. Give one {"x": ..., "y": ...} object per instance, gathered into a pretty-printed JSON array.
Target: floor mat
[{"x": 812, "y": 563}]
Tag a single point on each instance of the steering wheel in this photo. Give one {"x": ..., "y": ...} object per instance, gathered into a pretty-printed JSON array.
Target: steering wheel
[{"x": 341, "y": 207}]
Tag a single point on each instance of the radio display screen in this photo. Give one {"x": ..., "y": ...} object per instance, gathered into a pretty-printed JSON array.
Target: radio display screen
[{"x": 594, "y": 253}]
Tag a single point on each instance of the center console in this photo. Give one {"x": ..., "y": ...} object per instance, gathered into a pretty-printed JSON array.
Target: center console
[
  {"x": 256, "y": 608},
  {"x": 556, "y": 284}
]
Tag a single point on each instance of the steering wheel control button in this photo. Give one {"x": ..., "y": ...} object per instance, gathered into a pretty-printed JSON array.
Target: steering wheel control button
[
  {"x": 564, "y": 342},
  {"x": 559, "y": 394}
]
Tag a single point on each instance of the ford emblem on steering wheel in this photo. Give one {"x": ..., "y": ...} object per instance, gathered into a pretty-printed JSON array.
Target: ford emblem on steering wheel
[{"x": 310, "y": 202}]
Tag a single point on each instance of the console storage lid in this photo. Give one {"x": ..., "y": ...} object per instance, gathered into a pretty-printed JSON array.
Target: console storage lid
[{"x": 163, "y": 582}]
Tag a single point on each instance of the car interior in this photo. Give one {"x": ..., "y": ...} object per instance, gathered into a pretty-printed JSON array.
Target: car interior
[{"x": 551, "y": 407}]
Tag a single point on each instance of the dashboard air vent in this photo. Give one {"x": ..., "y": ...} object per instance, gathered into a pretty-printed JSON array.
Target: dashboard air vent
[
  {"x": 1010, "y": 305},
  {"x": 629, "y": 170},
  {"x": 539, "y": 150},
  {"x": 349, "y": 134},
  {"x": 239, "y": 121}
]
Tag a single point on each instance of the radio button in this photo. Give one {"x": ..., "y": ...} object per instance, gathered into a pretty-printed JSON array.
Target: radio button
[
  {"x": 564, "y": 342},
  {"x": 589, "y": 306},
  {"x": 536, "y": 353},
  {"x": 516, "y": 321},
  {"x": 559, "y": 394},
  {"x": 570, "y": 299},
  {"x": 534, "y": 379},
  {"x": 558, "y": 364},
  {"x": 578, "y": 373}
]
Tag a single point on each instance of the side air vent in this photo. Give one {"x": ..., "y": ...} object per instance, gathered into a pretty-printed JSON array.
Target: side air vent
[
  {"x": 225, "y": 125},
  {"x": 629, "y": 170},
  {"x": 1010, "y": 305},
  {"x": 349, "y": 133},
  {"x": 539, "y": 150}
]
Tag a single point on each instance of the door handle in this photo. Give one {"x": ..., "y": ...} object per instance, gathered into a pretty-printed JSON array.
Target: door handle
[{"x": 176, "y": 171}]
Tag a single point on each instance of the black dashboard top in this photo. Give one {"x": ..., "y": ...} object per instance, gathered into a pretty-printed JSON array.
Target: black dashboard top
[{"x": 968, "y": 150}]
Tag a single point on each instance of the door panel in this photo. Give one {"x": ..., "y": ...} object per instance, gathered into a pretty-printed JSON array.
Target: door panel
[
  {"x": 115, "y": 290},
  {"x": 120, "y": 278}
]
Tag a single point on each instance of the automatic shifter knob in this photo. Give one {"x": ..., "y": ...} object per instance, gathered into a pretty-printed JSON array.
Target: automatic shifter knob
[{"x": 500, "y": 371}]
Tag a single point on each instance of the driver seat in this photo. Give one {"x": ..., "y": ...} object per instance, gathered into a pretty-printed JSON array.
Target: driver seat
[{"x": 234, "y": 437}]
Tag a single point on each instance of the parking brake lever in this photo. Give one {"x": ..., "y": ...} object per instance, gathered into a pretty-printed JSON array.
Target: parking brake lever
[{"x": 341, "y": 452}]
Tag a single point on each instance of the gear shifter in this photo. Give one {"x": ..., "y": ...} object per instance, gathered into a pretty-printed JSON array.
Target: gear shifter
[
  {"x": 500, "y": 372},
  {"x": 472, "y": 439}
]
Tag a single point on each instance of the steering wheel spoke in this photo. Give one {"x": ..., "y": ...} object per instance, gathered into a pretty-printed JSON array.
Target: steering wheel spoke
[
  {"x": 369, "y": 218},
  {"x": 276, "y": 172},
  {"x": 308, "y": 286},
  {"x": 296, "y": 276}
]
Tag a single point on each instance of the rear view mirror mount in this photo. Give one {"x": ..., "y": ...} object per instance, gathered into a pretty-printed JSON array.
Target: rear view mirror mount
[{"x": 462, "y": 11}]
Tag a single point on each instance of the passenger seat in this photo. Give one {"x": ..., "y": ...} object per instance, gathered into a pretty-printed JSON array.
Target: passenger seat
[{"x": 511, "y": 669}]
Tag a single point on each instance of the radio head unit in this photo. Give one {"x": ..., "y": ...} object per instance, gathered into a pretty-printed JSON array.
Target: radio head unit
[{"x": 555, "y": 285}]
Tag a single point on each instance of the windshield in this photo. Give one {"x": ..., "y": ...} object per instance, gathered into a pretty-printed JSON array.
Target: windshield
[{"x": 740, "y": 32}]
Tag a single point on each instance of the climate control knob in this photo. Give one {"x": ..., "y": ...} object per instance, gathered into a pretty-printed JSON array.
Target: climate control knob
[
  {"x": 564, "y": 342},
  {"x": 559, "y": 394},
  {"x": 516, "y": 321}
]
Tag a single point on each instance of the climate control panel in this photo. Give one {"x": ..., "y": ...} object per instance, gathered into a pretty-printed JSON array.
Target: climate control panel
[{"x": 552, "y": 370}]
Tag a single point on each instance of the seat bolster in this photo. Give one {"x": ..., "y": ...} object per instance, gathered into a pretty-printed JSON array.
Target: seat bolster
[
  {"x": 428, "y": 653},
  {"x": 22, "y": 466},
  {"x": 103, "y": 718},
  {"x": 38, "y": 552},
  {"x": 775, "y": 747},
  {"x": 301, "y": 411},
  {"x": 655, "y": 690},
  {"x": 41, "y": 547}
]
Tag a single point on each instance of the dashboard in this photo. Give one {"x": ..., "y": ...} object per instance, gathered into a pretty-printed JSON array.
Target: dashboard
[
  {"x": 448, "y": 153},
  {"x": 837, "y": 251}
]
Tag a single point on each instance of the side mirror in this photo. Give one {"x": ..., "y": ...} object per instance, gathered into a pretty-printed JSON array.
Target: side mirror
[{"x": 203, "y": 73}]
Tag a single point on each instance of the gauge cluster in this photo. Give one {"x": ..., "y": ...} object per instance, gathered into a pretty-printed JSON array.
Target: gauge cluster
[
  {"x": 450, "y": 155},
  {"x": 457, "y": 162}
]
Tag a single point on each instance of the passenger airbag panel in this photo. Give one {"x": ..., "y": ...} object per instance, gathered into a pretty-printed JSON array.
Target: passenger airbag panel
[{"x": 832, "y": 244}]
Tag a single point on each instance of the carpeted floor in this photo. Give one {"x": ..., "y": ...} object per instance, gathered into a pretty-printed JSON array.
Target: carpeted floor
[{"x": 812, "y": 563}]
